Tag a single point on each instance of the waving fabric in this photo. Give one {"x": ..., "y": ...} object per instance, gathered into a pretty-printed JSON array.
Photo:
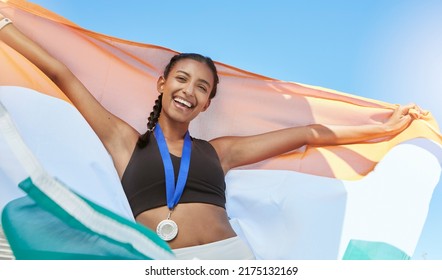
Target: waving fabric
[{"x": 340, "y": 190}]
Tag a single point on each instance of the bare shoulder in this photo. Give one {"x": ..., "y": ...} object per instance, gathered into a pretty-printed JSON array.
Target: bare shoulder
[
  {"x": 223, "y": 147},
  {"x": 221, "y": 144}
]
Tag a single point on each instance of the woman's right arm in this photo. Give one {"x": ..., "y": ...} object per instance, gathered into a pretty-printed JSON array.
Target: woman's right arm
[{"x": 117, "y": 136}]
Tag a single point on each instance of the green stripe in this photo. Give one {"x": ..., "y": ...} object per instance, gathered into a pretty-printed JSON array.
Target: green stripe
[
  {"x": 370, "y": 250},
  {"x": 36, "y": 234},
  {"x": 49, "y": 205}
]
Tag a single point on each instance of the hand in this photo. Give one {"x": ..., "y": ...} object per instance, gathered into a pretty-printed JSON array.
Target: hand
[
  {"x": 402, "y": 117},
  {"x": 413, "y": 110}
]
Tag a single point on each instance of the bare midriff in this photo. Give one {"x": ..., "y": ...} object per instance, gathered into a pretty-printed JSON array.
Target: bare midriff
[{"x": 198, "y": 223}]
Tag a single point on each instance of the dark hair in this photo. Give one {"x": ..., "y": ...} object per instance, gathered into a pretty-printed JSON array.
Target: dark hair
[{"x": 152, "y": 120}]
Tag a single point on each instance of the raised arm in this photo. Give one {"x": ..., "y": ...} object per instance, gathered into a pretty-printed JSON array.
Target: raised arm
[
  {"x": 238, "y": 151},
  {"x": 117, "y": 136}
]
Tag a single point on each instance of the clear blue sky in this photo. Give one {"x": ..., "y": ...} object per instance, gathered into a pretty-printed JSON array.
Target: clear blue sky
[{"x": 389, "y": 50}]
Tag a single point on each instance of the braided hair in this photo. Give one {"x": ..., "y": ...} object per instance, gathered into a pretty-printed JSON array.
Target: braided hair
[{"x": 152, "y": 120}]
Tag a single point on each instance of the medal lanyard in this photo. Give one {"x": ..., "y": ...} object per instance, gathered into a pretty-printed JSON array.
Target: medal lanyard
[{"x": 174, "y": 192}]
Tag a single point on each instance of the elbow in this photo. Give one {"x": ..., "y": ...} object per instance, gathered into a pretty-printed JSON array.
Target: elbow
[{"x": 58, "y": 73}]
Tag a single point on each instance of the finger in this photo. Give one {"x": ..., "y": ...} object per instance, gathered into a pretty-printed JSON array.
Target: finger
[
  {"x": 421, "y": 111},
  {"x": 417, "y": 112},
  {"x": 406, "y": 108},
  {"x": 405, "y": 120},
  {"x": 414, "y": 114},
  {"x": 397, "y": 113},
  {"x": 414, "y": 110}
]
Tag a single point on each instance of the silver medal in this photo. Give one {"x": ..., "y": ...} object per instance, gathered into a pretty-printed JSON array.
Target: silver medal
[{"x": 167, "y": 230}]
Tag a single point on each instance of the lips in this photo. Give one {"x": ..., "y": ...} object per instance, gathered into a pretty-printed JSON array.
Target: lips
[{"x": 183, "y": 102}]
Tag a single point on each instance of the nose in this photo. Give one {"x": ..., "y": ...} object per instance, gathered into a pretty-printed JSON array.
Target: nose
[{"x": 188, "y": 89}]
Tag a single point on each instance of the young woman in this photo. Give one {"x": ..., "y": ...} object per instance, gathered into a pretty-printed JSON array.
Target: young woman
[{"x": 174, "y": 183}]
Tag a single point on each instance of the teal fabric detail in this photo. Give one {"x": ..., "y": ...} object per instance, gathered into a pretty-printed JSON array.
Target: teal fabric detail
[
  {"x": 38, "y": 228},
  {"x": 370, "y": 250}
]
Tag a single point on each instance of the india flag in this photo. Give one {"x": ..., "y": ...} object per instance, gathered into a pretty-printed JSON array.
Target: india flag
[{"x": 362, "y": 201}]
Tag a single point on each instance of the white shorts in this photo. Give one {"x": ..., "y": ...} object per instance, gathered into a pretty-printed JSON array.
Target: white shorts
[{"x": 228, "y": 249}]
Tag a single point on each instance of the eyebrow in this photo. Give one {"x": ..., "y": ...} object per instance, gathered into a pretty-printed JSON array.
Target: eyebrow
[{"x": 187, "y": 74}]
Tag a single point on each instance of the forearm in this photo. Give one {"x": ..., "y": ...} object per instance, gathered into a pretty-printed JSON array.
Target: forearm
[
  {"x": 326, "y": 135},
  {"x": 29, "y": 49},
  {"x": 401, "y": 117},
  {"x": 50, "y": 66}
]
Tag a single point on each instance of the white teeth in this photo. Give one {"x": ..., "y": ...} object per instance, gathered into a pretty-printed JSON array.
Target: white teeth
[{"x": 182, "y": 101}]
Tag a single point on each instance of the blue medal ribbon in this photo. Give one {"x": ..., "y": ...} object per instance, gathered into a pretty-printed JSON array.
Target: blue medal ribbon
[{"x": 174, "y": 192}]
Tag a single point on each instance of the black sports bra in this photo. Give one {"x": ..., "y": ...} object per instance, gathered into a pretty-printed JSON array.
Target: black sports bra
[{"x": 144, "y": 182}]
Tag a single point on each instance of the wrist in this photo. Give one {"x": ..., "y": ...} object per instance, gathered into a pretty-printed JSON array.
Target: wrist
[
  {"x": 386, "y": 129},
  {"x": 4, "y": 21}
]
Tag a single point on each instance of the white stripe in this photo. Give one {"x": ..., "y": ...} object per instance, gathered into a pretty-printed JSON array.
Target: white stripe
[
  {"x": 26, "y": 158},
  {"x": 70, "y": 202},
  {"x": 5, "y": 249}
]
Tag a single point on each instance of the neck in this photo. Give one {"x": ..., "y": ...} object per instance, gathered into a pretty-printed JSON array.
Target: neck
[{"x": 173, "y": 131}]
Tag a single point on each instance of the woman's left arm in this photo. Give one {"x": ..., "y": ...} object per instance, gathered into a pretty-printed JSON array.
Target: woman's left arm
[{"x": 237, "y": 151}]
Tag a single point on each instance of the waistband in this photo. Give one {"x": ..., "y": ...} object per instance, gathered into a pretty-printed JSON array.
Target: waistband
[{"x": 233, "y": 248}]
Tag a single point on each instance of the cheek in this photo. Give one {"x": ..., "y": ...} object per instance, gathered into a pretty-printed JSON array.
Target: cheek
[
  {"x": 206, "y": 104},
  {"x": 203, "y": 98}
]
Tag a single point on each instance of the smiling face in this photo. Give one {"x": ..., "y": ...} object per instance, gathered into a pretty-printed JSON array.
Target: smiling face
[{"x": 186, "y": 90}]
